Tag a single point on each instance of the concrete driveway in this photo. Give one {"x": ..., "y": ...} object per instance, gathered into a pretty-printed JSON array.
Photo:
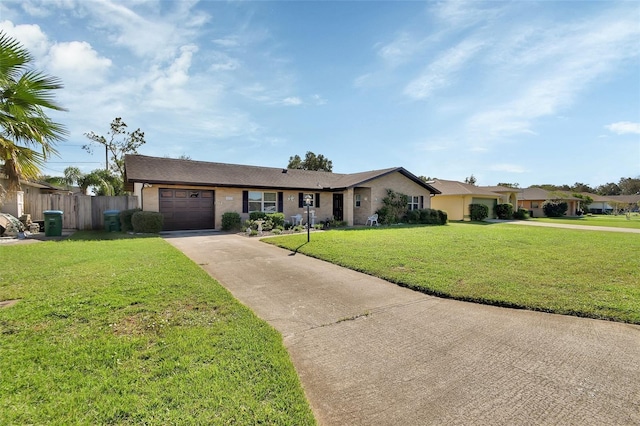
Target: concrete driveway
[{"x": 371, "y": 353}]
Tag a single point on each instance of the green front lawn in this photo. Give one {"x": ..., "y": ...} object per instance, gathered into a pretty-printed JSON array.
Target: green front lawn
[
  {"x": 619, "y": 221},
  {"x": 592, "y": 274},
  {"x": 130, "y": 331}
]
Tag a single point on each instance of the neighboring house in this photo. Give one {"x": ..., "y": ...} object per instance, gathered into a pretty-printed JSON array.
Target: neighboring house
[
  {"x": 14, "y": 202},
  {"x": 532, "y": 199},
  {"x": 455, "y": 198},
  {"x": 600, "y": 204},
  {"x": 507, "y": 194},
  {"x": 625, "y": 202},
  {"x": 195, "y": 194}
]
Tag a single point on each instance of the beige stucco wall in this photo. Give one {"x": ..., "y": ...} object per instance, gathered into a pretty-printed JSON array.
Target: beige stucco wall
[
  {"x": 360, "y": 214},
  {"x": 456, "y": 206},
  {"x": 377, "y": 191},
  {"x": 539, "y": 212}
]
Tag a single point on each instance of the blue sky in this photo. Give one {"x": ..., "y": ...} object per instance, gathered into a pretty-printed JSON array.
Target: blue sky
[{"x": 526, "y": 92}]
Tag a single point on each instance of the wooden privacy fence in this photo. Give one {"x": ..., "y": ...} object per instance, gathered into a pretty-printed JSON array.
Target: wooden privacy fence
[{"x": 81, "y": 212}]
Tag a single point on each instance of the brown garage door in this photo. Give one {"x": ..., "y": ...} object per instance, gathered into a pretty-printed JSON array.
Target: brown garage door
[{"x": 187, "y": 209}]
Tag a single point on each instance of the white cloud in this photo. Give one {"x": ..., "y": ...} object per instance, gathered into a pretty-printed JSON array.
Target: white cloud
[
  {"x": 551, "y": 71},
  {"x": 147, "y": 35},
  {"x": 465, "y": 13},
  {"x": 30, "y": 36},
  {"x": 624, "y": 127},
  {"x": 223, "y": 62},
  {"x": 400, "y": 50},
  {"x": 318, "y": 100},
  {"x": 441, "y": 72},
  {"x": 292, "y": 101},
  {"x": 229, "y": 41},
  {"x": 77, "y": 63},
  {"x": 509, "y": 168},
  {"x": 169, "y": 87}
]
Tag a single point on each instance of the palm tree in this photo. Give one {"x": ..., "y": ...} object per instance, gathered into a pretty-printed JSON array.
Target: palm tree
[{"x": 27, "y": 135}]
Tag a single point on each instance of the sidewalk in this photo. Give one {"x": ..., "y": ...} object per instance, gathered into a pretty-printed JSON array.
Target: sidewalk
[
  {"x": 372, "y": 353},
  {"x": 566, "y": 226}
]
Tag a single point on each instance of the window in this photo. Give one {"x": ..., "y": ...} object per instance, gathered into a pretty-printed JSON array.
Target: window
[
  {"x": 358, "y": 200},
  {"x": 535, "y": 205},
  {"x": 313, "y": 199},
  {"x": 263, "y": 201},
  {"x": 414, "y": 203}
]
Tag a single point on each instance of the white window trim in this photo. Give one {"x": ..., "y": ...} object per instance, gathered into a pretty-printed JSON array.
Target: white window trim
[{"x": 272, "y": 205}]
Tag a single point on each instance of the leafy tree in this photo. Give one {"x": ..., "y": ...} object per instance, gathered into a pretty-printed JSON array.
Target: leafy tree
[
  {"x": 608, "y": 189},
  {"x": 310, "y": 162},
  {"x": 471, "y": 180},
  {"x": 27, "y": 134},
  {"x": 103, "y": 181},
  {"x": 117, "y": 144},
  {"x": 509, "y": 185},
  {"x": 53, "y": 180},
  {"x": 394, "y": 208},
  {"x": 581, "y": 187},
  {"x": 72, "y": 176},
  {"x": 555, "y": 208},
  {"x": 552, "y": 188},
  {"x": 629, "y": 186},
  {"x": 585, "y": 201}
]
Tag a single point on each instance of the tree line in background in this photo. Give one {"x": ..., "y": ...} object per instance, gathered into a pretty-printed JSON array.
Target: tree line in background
[{"x": 625, "y": 186}]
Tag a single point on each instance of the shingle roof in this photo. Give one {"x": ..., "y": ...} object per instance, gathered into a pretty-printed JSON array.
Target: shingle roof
[
  {"x": 631, "y": 199},
  {"x": 453, "y": 187},
  {"x": 141, "y": 168},
  {"x": 542, "y": 194},
  {"x": 499, "y": 188}
]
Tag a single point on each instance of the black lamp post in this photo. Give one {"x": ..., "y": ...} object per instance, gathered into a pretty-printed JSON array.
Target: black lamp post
[{"x": 307, "y": 202}]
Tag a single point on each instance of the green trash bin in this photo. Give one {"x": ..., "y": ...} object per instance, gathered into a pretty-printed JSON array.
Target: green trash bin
[
  {"x": 112, "y": 220},
  {"x": 53, "y": 223}
]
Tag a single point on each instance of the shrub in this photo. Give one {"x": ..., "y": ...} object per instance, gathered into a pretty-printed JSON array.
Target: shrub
[
  {"x": 147, "y": 222},
  {"x": 231, "y": 221},
  {"x": 125, "y": 219},
  {"x": 478, "y": 212},
  {"x": 521, "y": 214},
  {"x": 555, "y": 208},
  {"x": 276, "y": 218},
  {"x": 504, "y": 211},
  {"x": 257, "y": 216},
  {"x": 443, "y": 217},
  {"x": 394, "y": 207},
  {"x": 413, "y": 216},
  {"x": 427, "y": 216}
]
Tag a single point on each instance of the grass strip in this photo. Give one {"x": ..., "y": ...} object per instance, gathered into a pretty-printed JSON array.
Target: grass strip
[
  {"x": 590, "y": 274},
  {"x": 619, "y": 221},
  {"x": 130, "y": 331}
]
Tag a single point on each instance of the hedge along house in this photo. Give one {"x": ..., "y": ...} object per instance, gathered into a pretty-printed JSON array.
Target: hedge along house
[
  {"x": 456, "y": 197},
  {"x": 195, "y": 194},
  {"x": 533, "y": 199}
]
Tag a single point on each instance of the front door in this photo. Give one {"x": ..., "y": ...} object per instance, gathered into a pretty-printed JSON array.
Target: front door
[{"x": 338, "y": 206}]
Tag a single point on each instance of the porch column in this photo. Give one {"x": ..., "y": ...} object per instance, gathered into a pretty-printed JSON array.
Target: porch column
[{"x": 348, "y": 206}]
